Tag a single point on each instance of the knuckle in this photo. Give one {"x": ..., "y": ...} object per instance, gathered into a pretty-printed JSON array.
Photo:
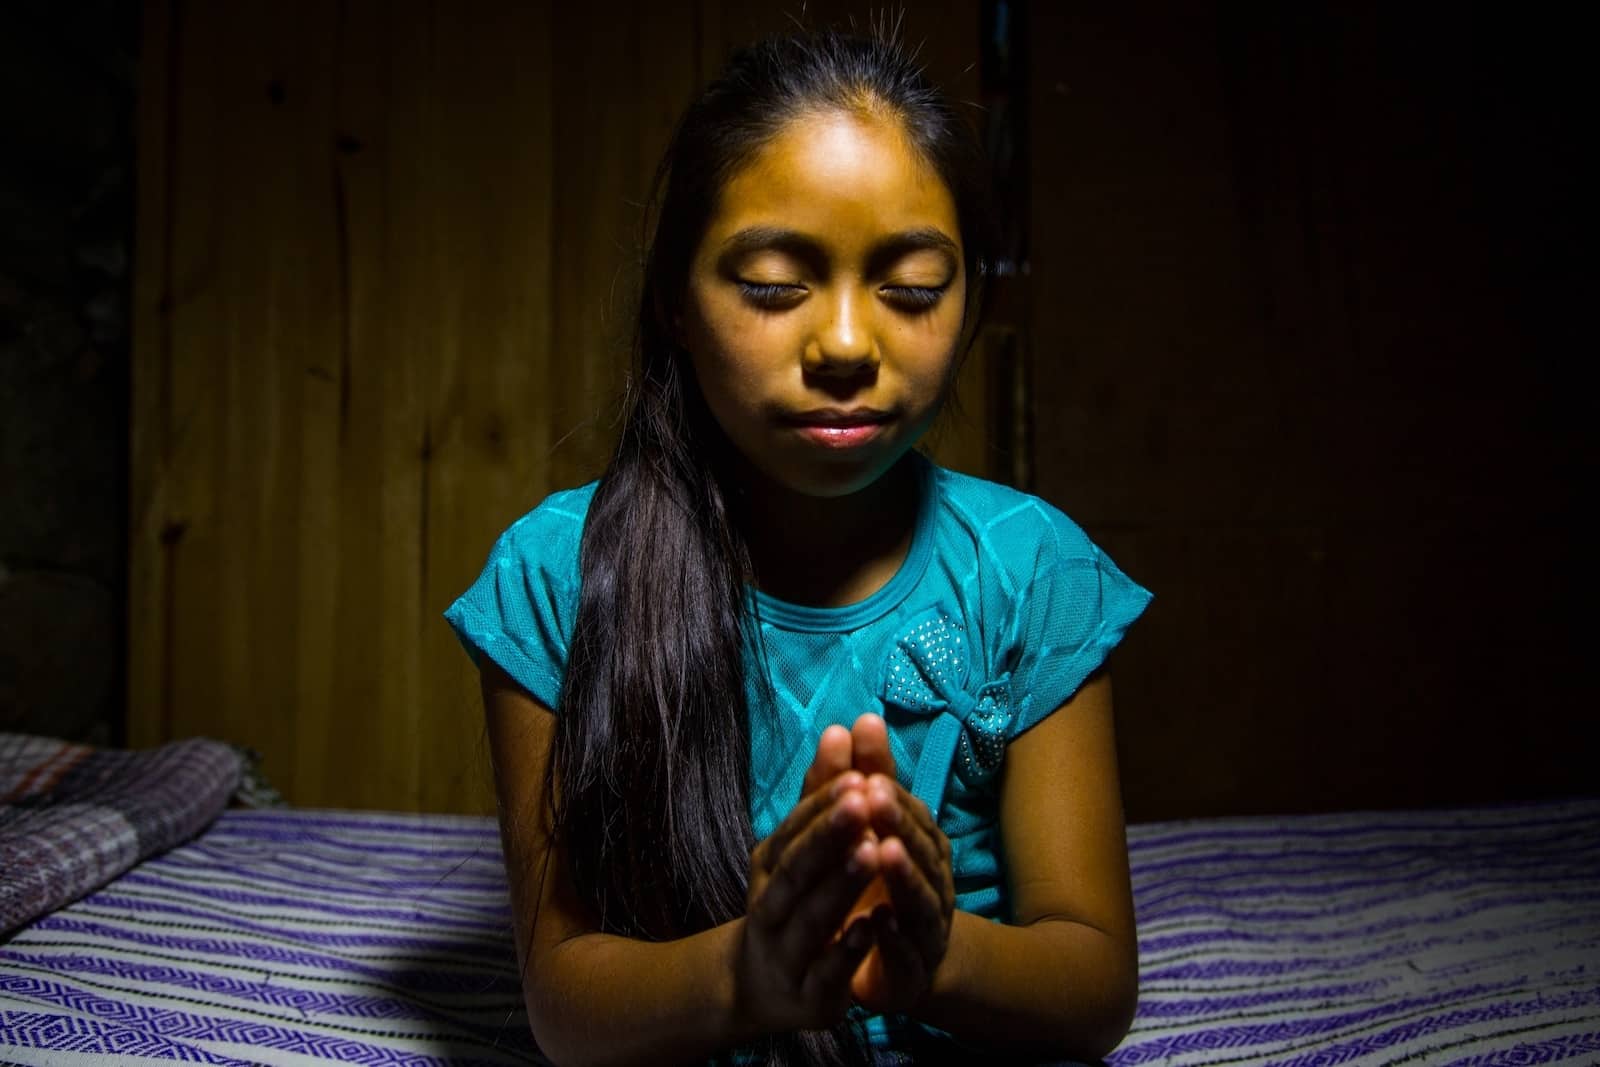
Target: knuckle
[
  {"x": 781, "y": 880},
  {"x": 759, "y": 911}
]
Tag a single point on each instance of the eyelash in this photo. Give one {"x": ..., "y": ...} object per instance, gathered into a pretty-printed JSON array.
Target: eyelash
[
  {"x": 916, "y": 297},
  {"x": 909, "y": 297},
  {"x": 768, "y": 296}
]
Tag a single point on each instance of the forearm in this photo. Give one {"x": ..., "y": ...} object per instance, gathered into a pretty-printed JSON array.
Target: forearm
[
  {"x": 602, "y": 999},
  {"x": 1055, "y": 986}
]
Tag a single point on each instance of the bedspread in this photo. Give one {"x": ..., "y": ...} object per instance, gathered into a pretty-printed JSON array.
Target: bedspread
[
  {"x": 300, "y": 937},
  {"x": 72, "y": 817}
]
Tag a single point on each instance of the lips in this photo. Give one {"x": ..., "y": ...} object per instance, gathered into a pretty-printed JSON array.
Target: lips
[
  {"x": 842, "y": 418},
  {"x": 839, "y": 427}
]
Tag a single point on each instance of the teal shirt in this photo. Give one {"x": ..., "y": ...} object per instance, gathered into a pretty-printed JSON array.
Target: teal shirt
[{"x": 1002, "y": 608}]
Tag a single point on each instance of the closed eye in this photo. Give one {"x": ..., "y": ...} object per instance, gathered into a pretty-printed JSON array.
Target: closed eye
[
  {"x": 914, "y": 297},
  {"x": 771, "y": 295}
]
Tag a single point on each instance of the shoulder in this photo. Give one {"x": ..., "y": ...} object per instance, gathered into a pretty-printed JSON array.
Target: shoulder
[
  {"x": 548, "y": 537},
  {"x": 541, "y": 552},
  {"x": 521, "y": 609},
  {"x": 1013, "y": 529}
]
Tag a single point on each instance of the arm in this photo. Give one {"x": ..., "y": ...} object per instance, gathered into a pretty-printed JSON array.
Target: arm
[
  {"x": 688, "y": 998},
  {"x": 1062, "y": 980}
]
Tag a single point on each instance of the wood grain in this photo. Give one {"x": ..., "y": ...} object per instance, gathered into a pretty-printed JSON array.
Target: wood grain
[{"x": 386, "y": 255}]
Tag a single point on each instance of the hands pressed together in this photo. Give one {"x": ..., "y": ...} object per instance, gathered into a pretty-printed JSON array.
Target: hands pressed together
[{"x": 850, "y": 898}]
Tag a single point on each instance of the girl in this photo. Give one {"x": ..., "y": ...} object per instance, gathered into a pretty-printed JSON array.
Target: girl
[{"x": 802, "y": 744}]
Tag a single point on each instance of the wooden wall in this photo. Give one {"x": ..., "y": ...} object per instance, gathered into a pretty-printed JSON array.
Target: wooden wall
[
  {"x": 1302, "y": 308},
  {"x": 1308, "y": 369},
  {"x": 383, "y": 265}
]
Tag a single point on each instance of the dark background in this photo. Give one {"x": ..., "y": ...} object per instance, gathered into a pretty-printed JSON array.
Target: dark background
[
  {"x": 68, "y": 83},
  {"x": 1306, "y": 309},
  {"x": 1313, "y": 288}
]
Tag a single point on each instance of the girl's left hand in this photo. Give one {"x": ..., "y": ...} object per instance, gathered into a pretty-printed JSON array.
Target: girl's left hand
[{"x": 911, "y": 930}]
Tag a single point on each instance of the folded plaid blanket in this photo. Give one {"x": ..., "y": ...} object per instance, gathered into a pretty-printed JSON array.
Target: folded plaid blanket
[{"x": 73, "y": 817}]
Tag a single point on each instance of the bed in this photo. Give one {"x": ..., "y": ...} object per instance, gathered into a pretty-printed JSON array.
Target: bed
[{"x": 287, "y": 936}]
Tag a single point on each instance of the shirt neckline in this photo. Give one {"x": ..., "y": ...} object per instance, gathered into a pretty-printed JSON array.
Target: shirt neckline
[{"x": 803, "y": 617}]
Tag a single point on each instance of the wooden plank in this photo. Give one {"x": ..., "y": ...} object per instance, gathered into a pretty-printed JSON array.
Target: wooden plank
[
  {"x": 277, "y": 268},
  {"x": 596, "y": 190},
  {"x": 373, "y": 709},
  {"x": 194, "y": 306},
  {"x": 667, "y": 49},
  {"x": 490, "y": 405},
  {"x": 321, "y": 388},
  {"x": 149, "y": 644},
  {"x": 241, "y": 291}
]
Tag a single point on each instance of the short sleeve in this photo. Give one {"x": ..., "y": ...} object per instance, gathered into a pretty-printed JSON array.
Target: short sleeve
[
  {"x": 1074, "y": 609},
  {"x": 520, "y": 611}
]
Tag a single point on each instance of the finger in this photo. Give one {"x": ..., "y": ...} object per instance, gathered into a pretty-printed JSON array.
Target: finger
[
  {"x": 918, "y": 903},
  {"x": 832, "y": 758},
  {"x": 895, "y": 810},
  {"x": 828, "y": 979},
  {"x": 870, "y": 738},
  {"x": 870, "y": 985},
  {"x": 896, "y": 813},
  {"x": 822, "y": 845},
  {"x": 815, "y": 920},
  {"x": 929, "y": 850},
  {"x": 906, "y": 967},
  {"x": 772, "y": 847}
]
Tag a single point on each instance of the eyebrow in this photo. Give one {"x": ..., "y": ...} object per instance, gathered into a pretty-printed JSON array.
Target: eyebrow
[{"x": 808, "y": 251}]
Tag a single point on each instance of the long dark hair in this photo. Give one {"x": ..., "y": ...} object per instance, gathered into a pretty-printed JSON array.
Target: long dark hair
[{"x": 651, "y": 771}]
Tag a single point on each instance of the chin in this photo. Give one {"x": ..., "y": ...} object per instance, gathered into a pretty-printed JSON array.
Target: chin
[{"x": 835, "y": 477}]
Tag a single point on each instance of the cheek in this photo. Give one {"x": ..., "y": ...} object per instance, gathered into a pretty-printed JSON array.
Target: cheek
[
  {"x": 740, "y": 349},
  {"x": 728, "y": 372},
  {"x": 930, "y": 356}
]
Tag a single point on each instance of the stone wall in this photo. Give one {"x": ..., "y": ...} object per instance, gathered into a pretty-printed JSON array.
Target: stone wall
[{"x": 67, "y": 117}]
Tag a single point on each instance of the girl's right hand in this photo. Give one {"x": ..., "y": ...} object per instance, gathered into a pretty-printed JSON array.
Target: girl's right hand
[{"x": 794, "y": 964}]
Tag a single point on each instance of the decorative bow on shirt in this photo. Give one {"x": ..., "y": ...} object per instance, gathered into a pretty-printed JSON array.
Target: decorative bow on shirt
[{"x": 927, "y": 675}]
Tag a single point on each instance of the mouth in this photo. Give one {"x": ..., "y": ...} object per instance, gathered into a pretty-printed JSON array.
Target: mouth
[{"x": 841, "y": 428}]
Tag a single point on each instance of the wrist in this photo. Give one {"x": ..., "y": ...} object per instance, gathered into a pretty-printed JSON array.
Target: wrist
[
  {"x": 949, "y": 977},
  {"x": 735, "y": 1018}
]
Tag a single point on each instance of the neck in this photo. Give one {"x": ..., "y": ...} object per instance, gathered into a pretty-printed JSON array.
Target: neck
[{"x": 830, "y": 551}]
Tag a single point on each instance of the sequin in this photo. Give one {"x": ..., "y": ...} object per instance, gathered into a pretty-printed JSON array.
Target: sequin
[{"x": 928, "y": 674}]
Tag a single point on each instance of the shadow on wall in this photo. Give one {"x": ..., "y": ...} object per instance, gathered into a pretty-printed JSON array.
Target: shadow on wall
[{"x": 67, "y": 105}]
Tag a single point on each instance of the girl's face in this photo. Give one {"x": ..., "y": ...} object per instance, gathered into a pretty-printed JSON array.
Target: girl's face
[{"x": 825, "y": 303}]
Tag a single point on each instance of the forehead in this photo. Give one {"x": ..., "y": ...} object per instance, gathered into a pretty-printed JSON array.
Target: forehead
[{"x": 843, "y": 177}]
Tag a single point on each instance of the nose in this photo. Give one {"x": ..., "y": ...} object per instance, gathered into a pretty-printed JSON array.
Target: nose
[{"x": 843, "y": 344}]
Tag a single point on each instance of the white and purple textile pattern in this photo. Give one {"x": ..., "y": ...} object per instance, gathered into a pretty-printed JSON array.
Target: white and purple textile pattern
[
  {"x": 281, "y": 937},
  {"x": 297, "y": 937},
  {"x": 1440, "y": 937}
]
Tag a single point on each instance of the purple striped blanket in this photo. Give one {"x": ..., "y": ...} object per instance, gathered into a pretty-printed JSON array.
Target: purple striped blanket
[
  {"x": 74, "y": 817},
  {"x": 302, "y": 937}
]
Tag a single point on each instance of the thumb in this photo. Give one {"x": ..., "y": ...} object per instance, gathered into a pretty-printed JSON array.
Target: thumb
[
  {"x": 832, "y": 759},
  {"x": 870, "y": 739}
]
